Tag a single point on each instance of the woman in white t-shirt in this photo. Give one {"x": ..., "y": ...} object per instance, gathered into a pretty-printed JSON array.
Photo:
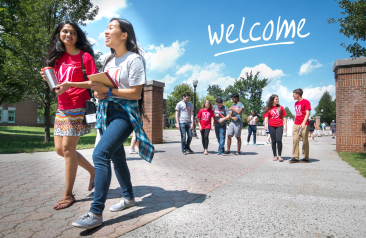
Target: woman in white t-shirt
[
  {"x": 119, "y": 113},
  {"x": 252, "y": 127}
]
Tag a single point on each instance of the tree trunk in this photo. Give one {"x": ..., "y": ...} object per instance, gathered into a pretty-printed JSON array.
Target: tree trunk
[{"x": 47, "y": 121}]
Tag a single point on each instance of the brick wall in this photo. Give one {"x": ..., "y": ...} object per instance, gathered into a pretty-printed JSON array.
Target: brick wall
[
  {"x": 153, "y": 103},
  {"x": 25, "y": 114},
  {"x": 350, "y": 76}
]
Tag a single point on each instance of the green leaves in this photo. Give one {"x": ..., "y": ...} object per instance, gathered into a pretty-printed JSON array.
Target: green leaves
[
  {"x": 353, "y": 25},
  {"x": 177, "y": 96},
  {"x": 329, "y": 108}
]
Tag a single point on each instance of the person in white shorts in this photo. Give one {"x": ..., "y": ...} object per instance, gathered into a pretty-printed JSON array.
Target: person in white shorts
[{"x": 236, "y": 124}]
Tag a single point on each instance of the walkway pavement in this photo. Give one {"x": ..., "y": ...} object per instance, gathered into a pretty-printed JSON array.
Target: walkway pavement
[{"x": 193, "y": 195}]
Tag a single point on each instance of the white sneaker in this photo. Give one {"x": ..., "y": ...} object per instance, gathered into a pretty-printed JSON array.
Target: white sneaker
[
  {"x": 88, "y": 221},
  {"x": 123, "y": 204},
  {"x": 133, "y": 151}
]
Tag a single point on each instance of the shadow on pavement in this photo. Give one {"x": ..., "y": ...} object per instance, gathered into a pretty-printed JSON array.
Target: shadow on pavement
[
  {"x": 154, "y": 199},
  {"x": 310, "y": 160}
]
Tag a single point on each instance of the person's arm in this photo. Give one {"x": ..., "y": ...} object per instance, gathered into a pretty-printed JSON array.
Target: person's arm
[
  {"x": 305, "y": 119},
  {"x": 265, "y": 123},
  {"x": 212, "y": 123},
  {"x": 285, "y": 123},
  {"x": 176, "y": 118},
  {"x": 237, "y": 111},
  {"x": 248, "y": 119},
  {"x": 192, "y": 119},
  {"x": 133, "y": 93}
]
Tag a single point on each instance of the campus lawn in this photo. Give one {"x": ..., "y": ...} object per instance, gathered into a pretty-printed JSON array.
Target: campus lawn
[
  {"x": 356, "y": 160},
  {"x": 24, "y": 139}
]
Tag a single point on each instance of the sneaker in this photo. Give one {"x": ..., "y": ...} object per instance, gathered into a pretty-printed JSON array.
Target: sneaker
[
  {"x": 190, "y": 151},
  {"x": 184, "y": 152},
  {"x": 123, "y": 204},
  {"x": 247, "y": 143},
  {"x": 293, "y": 160},
  {"x": 237, "y": 153},
  {"x": 227, "y": 152},
  {"x": 133, "y": 151},
  {"x": 88, "y": 221},
  {"x": 255, "y": 144},
  {"x": 220, "y": 152}
]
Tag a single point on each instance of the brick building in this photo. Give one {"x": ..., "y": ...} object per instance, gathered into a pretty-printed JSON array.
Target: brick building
[
  {"x": 25, "y": 113},
  {"x": 350, "y": 76}
]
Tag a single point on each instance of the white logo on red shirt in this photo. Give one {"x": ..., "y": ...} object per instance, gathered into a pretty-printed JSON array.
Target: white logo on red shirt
[
  {"x": 205, "y": 116},
  {"x": 65, "y": 72},
  {"x": 298, "y": 110},
  {"x": 275, "y": 114}
]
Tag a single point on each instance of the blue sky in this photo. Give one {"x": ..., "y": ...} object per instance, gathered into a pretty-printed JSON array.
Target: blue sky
[{"x": 178, "y": 49}]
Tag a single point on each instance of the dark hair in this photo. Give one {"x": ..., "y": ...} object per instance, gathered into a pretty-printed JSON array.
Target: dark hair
[
  {"x": 298, "y": 91},
  {"x": 131, "y": 45},
  {"x": 270, "y": 104},
  {"x": 203, "y": 105},
  {"x": 56, "y": 48},
  {"x": 219, "y": 100},
  {"x": 186, "y": 94},
  {"x": 235, "y": 95}
]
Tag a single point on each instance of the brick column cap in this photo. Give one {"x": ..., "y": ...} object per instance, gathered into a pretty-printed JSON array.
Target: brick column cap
[
  {"x": 155, "y": 83},
  {"x": 317, "y": 117},
  {"x": 348, "y": 62}
]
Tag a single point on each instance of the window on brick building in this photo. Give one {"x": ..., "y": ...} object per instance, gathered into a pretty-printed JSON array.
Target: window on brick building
[
  {"x": 1, "y": 114},
  {"x": 40, "y": 117},
  {"x": 11, "y": 115}
]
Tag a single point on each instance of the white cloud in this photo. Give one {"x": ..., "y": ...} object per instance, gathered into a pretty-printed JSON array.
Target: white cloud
[
  {"x": 92, "y": 41},
  {"x": 309, "y": 66},
  {"x": 168, "y": 80},
  {"x": 207, "y": 74},
  {"x": 109, "y": 8},
  {"x": 265, "y": 72},
  {"x": 162, "y": 58},
  {"x": 101, "y": 35},
  {"x": 317, "y": 92},
  {"x": 276, "y": 87}
]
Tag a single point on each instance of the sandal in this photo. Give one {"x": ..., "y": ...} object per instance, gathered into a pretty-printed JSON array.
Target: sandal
[
  {"x": 280, "y": 159},
  {"x": 91, "y": 183},
  {"x": 274, "y": 159},
  {"x": 65, "y": 203}
]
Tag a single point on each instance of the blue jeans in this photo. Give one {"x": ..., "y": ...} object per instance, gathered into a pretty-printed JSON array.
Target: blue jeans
[
  {"x": 220, "y": 135},
  {"x": 253, "y": 129},
  {"x": 185, "y": 128},
  {"x": 110, "y": 148}
]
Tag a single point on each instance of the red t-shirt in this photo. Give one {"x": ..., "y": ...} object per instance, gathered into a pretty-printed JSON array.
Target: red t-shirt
[
  {"x": 205, "y": 118},
  {"x": 300, "y": 108},
  {"x": 68, "y": 68},
  {"x": 274, "y": 116}
]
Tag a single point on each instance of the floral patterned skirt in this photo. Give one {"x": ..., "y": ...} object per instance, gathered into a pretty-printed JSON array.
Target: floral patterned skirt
[{"x": 70, "y": 123}]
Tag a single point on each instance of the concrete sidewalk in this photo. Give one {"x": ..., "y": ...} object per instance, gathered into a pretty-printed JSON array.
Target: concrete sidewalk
[
  {"x": 192, "y": 195},
  {"x": 325, "y": 198}
]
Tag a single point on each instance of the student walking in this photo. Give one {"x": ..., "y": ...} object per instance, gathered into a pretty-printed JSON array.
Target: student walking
[
  {"x": 252, "y": 127},
  {"x": 117, "y": 116},
  {"x": 221, "y": 116},
  {"x": 206, "y": 122},
  {"x": 236, "y": 124},
  {"x": 333, "y": 129},
  {"x": 275, "y": 116},
  {"x": 312, "y": 125},
  {"x": 134, "y": 141},
  {"x": 301, "y": 127},
  {"x": 68, "y": 52},
  {"x": 184, "y": 119}
]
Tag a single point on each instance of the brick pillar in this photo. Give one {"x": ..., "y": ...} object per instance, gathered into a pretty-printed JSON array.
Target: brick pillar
[
  {"x": 350, "y": 76},
  {"x": 153, "y": 103},
  {"x": 317, "y": 122}
]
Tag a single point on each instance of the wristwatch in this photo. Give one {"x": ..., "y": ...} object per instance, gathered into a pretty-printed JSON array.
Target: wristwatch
[{"x": 109, "y": 94}]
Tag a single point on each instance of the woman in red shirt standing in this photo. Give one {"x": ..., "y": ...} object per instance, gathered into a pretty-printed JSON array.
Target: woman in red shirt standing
[
  {"x": 68, "y": 46},
  {"x": 206, "y": 122},
  {"x": 275, "y": 115}
]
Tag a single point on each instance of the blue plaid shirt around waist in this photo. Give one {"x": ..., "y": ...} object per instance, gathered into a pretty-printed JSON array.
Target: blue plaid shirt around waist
[{"x": 146, "y": 149}]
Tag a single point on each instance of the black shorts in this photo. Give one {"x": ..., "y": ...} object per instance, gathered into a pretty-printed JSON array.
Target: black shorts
[{"x": 312, "y": 129}]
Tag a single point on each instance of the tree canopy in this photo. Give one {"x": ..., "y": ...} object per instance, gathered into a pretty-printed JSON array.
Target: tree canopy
[
  {"x": 329, "y": 108},
  {"x": 177, "y": 96},
  {"x": 353, "y": 25}
]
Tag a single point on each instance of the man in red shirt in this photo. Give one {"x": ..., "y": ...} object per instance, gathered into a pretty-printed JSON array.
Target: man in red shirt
[{"x": 302, "y": 108}]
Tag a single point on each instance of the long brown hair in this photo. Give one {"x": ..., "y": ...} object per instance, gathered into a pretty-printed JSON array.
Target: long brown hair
[
  {"x": 270, "y": 104},
  {"x": 203, "y": 105}
]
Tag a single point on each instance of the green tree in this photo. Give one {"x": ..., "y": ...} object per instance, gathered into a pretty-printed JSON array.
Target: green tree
[
  {"x": 215, "y": 91},
  {"x": 27, "y": 26},
  {"x": 328, "y": 105},
  {"x": 229, "y": 90},
  {"x": 289, "y": 113},
  {"x": 177, "y": 96},
  {"x": 353, "y": 25}
]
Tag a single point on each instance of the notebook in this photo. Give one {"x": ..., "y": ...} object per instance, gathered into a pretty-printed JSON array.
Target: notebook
[{"x": 103, "y": 78}]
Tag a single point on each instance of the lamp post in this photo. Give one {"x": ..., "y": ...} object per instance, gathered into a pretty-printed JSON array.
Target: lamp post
[
  {"x": 320, "y": 114},
  {"x": 194, "y": 134}
]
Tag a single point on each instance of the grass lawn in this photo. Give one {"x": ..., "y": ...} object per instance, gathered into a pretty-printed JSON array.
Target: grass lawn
[
  {"x": 356, "y": 160},
  {"x": 24, "y": 139}
]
